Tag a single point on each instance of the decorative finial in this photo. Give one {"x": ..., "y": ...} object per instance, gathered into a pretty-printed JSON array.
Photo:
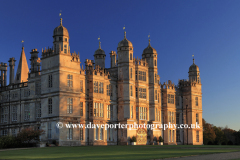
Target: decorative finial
[
  {"x": 193, "y": 59},
  {"x": 99, "y": 42},
  {"x": 22, "y": 43},
  {"x": 124, "y": 32},
  {"x": 60, "y": 14},
  {"x": 149, "y": 39}
]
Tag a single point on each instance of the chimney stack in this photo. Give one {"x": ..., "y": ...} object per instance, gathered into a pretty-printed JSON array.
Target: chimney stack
[
  {"x": 3, "y": 68},
  {"x": 113, "y": 56},
  {"x": 11, "y": 65}
]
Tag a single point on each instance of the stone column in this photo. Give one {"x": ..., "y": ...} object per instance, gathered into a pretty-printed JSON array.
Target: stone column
[{"x": 5, "y": 77}]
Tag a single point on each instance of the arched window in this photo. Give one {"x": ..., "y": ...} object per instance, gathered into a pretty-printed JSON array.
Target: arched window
[{"x": 130, "y": 56}]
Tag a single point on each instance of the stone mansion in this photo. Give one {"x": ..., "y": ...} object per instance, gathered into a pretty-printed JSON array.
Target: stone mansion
[{"x": 58, "y": 89}]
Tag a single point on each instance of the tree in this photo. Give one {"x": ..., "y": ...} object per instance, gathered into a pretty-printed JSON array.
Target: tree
[
  {"x": 29, "y": 135},
  {"x": 220, "y": 136},
  {"x": 230, "y": 135},
  {"x": 208, "y": 133}
]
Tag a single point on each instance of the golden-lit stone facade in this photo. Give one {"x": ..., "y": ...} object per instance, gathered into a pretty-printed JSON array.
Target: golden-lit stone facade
[{"x": 59, "y": 89}]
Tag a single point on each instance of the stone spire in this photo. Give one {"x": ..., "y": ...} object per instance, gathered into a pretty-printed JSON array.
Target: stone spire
[{"x": 22, "y": 70}]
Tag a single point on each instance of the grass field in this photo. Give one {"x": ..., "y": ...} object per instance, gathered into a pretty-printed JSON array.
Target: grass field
[{"x": 113, "y": 152}]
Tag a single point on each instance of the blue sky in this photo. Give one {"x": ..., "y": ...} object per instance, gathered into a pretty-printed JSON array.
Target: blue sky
[{"x": 208, "y": 28}]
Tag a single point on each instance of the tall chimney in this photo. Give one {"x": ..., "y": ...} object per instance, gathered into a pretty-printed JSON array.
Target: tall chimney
[
  {"x": 113, "y": 56},
  {"x": 35, "y": 60},
  {"x": 11, "y": 65},
  {"x": 3, "y": 68},
  {"x": 1, "y": 74},
  {"x": 5, "y": 74}
]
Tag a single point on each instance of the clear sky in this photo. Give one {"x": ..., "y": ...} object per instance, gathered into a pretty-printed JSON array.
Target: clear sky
[{"x": 208, "y": 28}]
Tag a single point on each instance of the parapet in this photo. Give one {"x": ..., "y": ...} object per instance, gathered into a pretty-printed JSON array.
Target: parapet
[
  {"x": 140, "y": 62},
  {"x": 186, "y": 83},
  {"x": 75, "y": 57},
  {"x": 48, "y": 52},
  {"x": 14, "y": 86},
  {"x": 168, "y": 85}
]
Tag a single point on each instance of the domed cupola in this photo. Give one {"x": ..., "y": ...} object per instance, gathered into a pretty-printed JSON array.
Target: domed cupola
[
  {"x": 194, "y": 73},
  {"x": 125, "y": 50},
  {"x": 125, "y": 42},
  {"x": 150, "y": 54},
  {"x": 99, "y": 56},
  {"x": 60, "y": 30},
  {"x": 61, "y": 39},
  {"x": 149, "y": 49},
  {"x": 99, "y": 51},
  {"x": 193, "y": 67}
]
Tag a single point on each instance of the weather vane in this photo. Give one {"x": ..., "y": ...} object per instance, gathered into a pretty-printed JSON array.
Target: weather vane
[
  {"x": 99, "y": 42},
  {"x": 193, "y": 58},
  {"x": 124, "y": 32},
  {"x": 149, "y": 38},
  {"x": 60, "y": 14},
  {"x": 22, "y": 43}
]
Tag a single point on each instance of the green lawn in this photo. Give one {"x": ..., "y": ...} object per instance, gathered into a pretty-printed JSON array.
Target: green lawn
[{"x": 114, "y": 152}]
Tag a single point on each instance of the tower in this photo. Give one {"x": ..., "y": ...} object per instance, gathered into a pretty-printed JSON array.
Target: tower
[
  {"x": 125, "y": 82},
  {"x": 150, "y": 55},
  {"x": 191, "y": 91},
  {"x": 60, "y": 74}
]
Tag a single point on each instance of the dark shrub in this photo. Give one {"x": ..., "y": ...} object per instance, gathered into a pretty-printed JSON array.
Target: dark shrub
[
  {"x": 160, "y": 139},
  {"x": 27, "y": 137},
  {"x": 9, "y": 142},
  {"x": 210, "y": 143},
  {"x": 230, "y": 143},
  {"x": 133, "y": 139},
  {"x": 223, "y": 143}
]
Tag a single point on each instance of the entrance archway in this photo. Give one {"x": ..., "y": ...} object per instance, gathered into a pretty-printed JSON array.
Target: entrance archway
[{"x": 142, "y": 136}]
